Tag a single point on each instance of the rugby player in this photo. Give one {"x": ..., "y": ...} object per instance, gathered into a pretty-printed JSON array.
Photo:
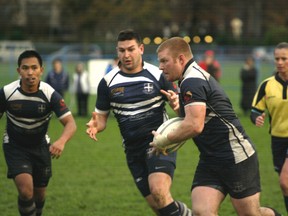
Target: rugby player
[
  {"x": 28, "y": 104},
  {"x": 133, "y": 91},
  {"x": 228, "y": 161}
]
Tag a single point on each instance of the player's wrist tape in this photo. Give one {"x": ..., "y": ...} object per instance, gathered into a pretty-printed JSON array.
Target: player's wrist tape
[{"x": 161, "y": 141}]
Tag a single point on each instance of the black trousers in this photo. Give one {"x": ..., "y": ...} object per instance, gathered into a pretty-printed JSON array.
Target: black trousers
[{"x": 82, "y": 103}]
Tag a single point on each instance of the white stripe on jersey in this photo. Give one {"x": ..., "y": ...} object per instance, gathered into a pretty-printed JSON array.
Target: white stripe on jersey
[
  {"x": 198, "y": 72},
  {"x": 136, "y": 105},
  {"x": 27, "y": 124},
  {"x": 125, "y": 79},
  {"x": 241, "y": 147},
  {"x": 19, "y": 96},
  {"x": 135, "y": 112},
  {"x": 153, "y": 70}
]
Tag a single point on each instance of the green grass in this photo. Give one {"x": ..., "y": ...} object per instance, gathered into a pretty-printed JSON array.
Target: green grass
[{"x": 92, "y": 179}]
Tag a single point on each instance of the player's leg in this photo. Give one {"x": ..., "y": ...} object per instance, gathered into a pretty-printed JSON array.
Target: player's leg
[
  {"x": 206, "y": 200},
  {"x": 24, "y": 185},
  {"x": 161, "y": 171},
  {"x": 20, "y": 170},
  {"x": 279, "y": 148},
  {"x": 138, "y": 169},
  {"x": 207, "y": 190},
  {"x": 41, "y": 175},
  {"x": 39, "y": 196},
  {"x": 243, "y": 185},
  {"x": 160, "y": 184},
  {"x": 283, "y": 180},
  {"x": 251, "y": 206},
  {"x": 151, "y": 202}
]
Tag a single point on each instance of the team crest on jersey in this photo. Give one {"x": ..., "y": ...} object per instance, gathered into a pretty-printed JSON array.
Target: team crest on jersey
[
  {"x": 187, "y": 96},
  {"x": 148, "y": 88},
  {"x": 15, "y": 106},
  {"x": 62, "y": 105},
  {"x": 119, "y": 91},
  {"x": 41, "y": 108}
]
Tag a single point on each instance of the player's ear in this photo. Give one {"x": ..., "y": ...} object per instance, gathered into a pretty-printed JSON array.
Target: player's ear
[
  {"x": 41, "y": 70},
  {"x": 181, "y": 58},
  {"x": 141, "y": 47}
]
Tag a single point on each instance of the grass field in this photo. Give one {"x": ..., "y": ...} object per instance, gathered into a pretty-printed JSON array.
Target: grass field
[{"x": 92, "y": 179}]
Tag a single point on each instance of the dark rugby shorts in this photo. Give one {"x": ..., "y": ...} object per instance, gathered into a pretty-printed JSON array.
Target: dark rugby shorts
[
  {"x": 279, "y": 147},
  {"x": 238, "y": 180},
  {"x": 34, "y": 160},
  {"x": 141, "y": 164}
]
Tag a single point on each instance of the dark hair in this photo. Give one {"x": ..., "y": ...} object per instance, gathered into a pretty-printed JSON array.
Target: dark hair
[
  {"x": 129, "y": 34},
  {"x": 29, "y": 54}
]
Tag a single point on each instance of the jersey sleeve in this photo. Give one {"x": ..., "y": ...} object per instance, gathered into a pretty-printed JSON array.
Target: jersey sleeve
[
  {"x": 194, "y": 90},
  {"x": 259, "y": 101},
  {"x": 59, "y": 106},
  {"x": 103, "y": 98},
  {"x": 2, "y": 102}
]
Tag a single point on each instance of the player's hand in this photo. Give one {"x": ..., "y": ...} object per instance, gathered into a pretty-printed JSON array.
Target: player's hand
[
  {"x": 56, "y": 149},
  {"x": 260, "y": 120},
  {"x": 159, "y": 143},
  {"x": 172, "y": 97},
  {"x": 92, "y": 127}
]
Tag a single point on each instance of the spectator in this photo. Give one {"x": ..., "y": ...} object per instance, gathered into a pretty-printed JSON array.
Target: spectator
[
  {"x": 112, "y": 65},
  {"x": 81, "y": 88},
  {"x": 58, "y": 78},
  {"x": 248, "y": 75},
  {"x": 211, "y": 65}
]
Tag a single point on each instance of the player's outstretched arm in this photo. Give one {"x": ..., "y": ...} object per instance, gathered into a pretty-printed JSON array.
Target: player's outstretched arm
[
  {"x": 57, "y": 147},
  {"x": 173, "y": 99},
  {"x": 96, "y": 124}
]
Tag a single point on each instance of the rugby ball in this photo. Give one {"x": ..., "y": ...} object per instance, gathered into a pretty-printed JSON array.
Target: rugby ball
[{"x": 166, "y": 128}]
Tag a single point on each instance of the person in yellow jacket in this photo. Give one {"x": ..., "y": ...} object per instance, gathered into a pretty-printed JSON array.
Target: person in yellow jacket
[{"x": 272, "y": 96}]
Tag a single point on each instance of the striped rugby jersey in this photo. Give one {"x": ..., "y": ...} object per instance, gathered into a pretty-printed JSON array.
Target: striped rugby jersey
[
  {"x": 28, "y": 114},
  {"x": 223, "y": 139},
  {"x": 136, "y": 101}
]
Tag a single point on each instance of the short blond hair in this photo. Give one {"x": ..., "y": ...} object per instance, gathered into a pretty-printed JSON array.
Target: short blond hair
[{"x": 176, "y": 46}]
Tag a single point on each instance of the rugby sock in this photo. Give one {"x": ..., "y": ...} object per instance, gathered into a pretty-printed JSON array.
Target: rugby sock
[
  {"x": 26, "y": 208},
  {"x": 170, "y": 210},
  {"x": 184, "y": 210},
  {"x": 286, "y": 202},
  {"x": 39, "y": 207}
]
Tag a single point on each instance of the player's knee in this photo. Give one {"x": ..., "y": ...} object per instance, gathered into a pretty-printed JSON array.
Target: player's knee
[
  {"x": 202, "y": 210},
  {"x": 25, "y": 194},
  {"x": 157, "y": 193}
]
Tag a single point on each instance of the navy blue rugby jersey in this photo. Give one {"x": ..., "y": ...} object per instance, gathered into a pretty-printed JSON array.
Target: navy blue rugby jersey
[
  {"x": 28, "y": 114},
  {"x": 223, "y": 139},
  {"x": 136, "y": 101}
]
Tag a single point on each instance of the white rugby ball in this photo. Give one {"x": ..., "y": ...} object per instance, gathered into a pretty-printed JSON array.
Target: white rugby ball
[{"x": 166, "y": 128}]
